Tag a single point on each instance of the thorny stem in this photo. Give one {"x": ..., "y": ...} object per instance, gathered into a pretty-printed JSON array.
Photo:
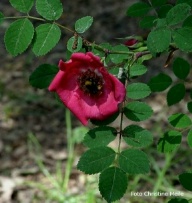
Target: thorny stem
[{"x": 86, "y": 42}]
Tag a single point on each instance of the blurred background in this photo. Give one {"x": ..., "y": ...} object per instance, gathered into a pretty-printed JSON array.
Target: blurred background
[{"x": 33, "y": 135}]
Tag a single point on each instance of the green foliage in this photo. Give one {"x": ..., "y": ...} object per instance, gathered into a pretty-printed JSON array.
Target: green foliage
[
  {"x": 83, "y": 24},
  {"x": 137, "y": 111},
  {"x": 183, "y": 38},
  {"x": 159, "y": 40},
  {"x": 178, "y": 200},
  {"x": 74, "y": 44},
  {"x": 189, "y": 138},
  {"x": 178, "y": 14},
  {"x": 138, "y": 9},
  {"x": 185, "y": 180},
  {"x": 96, "y": 160},
  {"x": 137, "y": 70},
  {"x": 1, "y": 17},
  {"x": 48, "y": 9},
  {"x": 22, "y": 5},
  {"x": 136, "y": 136},
  {"x": 181, "y": 68},
  {"x": 47, "y": 36},
  {"x": 184, "y": 1},
  {"x": 19, "y": 36},
  {"x": 118, "y": 58},
  {"x": 147, "y": 22},
  {"x": 134, "y": 161},
  {"x": 138, "y": 91},
  {"x": 175, "y": 94},
  {"x": 160, "y": 82},
  {"x": 169, "y": 142},
  {"x": 42, "y": 76},
  {"x": 163, "y": 10},
  {"x": 100, "y": 136},
  {"x": 158, "y": 2},
  {"x": 180, "y": 120},
  {"x": 187, "y": 22},
  {"x": 189, "y": 106},
  {"x": 112, "y": 184}
]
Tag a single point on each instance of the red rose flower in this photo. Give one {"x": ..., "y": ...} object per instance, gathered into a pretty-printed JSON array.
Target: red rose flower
[
  {"x": 86, "y": 88},
  {"x": 131, "y": 42}
]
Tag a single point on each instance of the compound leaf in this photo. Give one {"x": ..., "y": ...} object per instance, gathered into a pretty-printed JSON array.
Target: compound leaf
[
  {"x": 83, "y": 24},
  {"x": 179, "y": 120},
  {"x": 22, "y": 5}
]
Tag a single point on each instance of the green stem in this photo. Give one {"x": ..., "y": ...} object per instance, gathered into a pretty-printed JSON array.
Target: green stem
[
  {"x": 70, "y": 150},
  {"x": 163, "y": 172}
]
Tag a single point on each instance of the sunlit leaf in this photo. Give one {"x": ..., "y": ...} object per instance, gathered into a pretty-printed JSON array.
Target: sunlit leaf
[
  {"x": 83, "y": 24},
  {"x": 137, "y": 136},
  {"x": 112, "y": 184},
  {"x": 49, "y": 9},
  {"x": 134, "y": 161},
  {"x": 96, "y": 160},
  {"x": 22, "y": 5},
  {"x": 180, "y": 120},
  {"x": 47, "y": 36},
  {"x": 138, "y": 91},
  {"x": 19, "y": 36},
  {"x": 137, "y": 70},
  {"x": 99, "y": 136},
  {"x": 137, "y": 111},
  {"x": 178, "y": 13},
  {"x": 169, "y": 142}
]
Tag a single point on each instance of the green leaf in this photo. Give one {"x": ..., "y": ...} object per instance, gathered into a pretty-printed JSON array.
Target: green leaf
[
  {"x": 189, "y": 138},
  {"x": 106, "y": 121},
  {"x": 158, "y": 2},
  {"x": 181, "y": 68},
  {"x": 137, "y": 111},
  {"x": 22, "y": 5},
  {"x": 189, "y": 106},
  {"x": 137, "y": 70},
  {"x": 112, "y": 184},
  {"x": 138, "y": 9},
  {"x": 49, "y": 9},
  {"x": 178, "y": 200},
  {"x": 179, "y": 120},
  {"x": 185, "y": 180},
  {"x": 19, "y": 36},
  {"x": 181, "y": 11},
  {"x": 163, "y": 10},
  {"x": 183, "y": 38},
  {"x": 160, "y": 82},
  {"x": 47, "y": 36},
  {"x": 74, "y": 44},
  {"x": 147, "y": 22},
  {"x": 169, "y": 142},
  {"x": 100, "y": 136},
  {"x": 159, "y": 40},
  {"x": 79, "y": 134},
  {"x": 175, "y": 94},
  {"x": 42, "y": 76},
  {"x": 118, "y": 58},
  {"x": 134, "y": 161},
  {"x": 83, "y": 24},
  {"x": 96, "y": 160},
  {"x": 138, "y": 91},
  {"x": 1, "y": 17},
  {"x": 184, "y": 1},
  {"x": 136, "y": 136},
  {"x": 187, "y": 22}
]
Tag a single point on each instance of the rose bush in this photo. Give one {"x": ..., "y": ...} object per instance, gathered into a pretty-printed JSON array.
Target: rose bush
[{"x": 86, "y": 87}]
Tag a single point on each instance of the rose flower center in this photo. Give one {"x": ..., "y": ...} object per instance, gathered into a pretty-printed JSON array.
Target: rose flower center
[{"x": 91, "y": 82}]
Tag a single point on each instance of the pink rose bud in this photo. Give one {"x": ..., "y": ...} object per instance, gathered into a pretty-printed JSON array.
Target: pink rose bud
[
  {"x": 131, "y": 42},
  {"x": 86, "y": 88}
]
